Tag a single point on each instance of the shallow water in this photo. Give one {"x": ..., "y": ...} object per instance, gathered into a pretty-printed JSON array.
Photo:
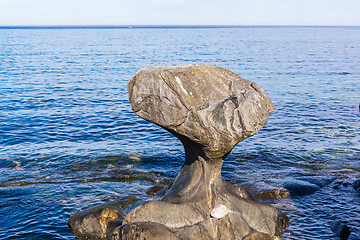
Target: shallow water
[{"x": 69, "y": 139}]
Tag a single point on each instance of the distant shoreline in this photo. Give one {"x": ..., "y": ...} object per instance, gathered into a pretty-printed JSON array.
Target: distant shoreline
[{"x": 165, "y": 26}]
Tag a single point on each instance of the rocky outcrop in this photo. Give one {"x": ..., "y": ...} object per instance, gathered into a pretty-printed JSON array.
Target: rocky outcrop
[
  {"x": 210, "y": 110},
  {"x": 340, "y": 229},
  {"x": 95, "y": 223},
  {"x": 356, "y": 185}
]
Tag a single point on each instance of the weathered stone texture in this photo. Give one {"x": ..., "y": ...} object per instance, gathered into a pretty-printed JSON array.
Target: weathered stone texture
[
  {"x": 210, "y": 110},
  {"x": 212, "y": 106}
]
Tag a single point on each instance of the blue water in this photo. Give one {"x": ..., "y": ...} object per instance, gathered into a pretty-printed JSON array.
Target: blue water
[{"x": 69, "y": 139}]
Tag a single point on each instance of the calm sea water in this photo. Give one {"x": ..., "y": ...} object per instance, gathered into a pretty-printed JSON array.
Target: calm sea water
[{"x": 69, "y": 139}]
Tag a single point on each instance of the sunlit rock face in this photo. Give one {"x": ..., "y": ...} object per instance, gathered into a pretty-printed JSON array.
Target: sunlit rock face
[
  {"x": 210, "y": 110},
  {"x": 211, "y": 106}
]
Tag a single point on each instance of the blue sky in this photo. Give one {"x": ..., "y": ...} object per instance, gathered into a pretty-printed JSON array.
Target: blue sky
[{"x": 178, "y": 12}]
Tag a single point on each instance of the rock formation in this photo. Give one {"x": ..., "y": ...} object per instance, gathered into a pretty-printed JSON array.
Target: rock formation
[{"x": 210, "y": 110}]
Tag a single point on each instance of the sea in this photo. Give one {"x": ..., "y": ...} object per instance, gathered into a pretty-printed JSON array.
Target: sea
[{"x": 69, "y": 139}]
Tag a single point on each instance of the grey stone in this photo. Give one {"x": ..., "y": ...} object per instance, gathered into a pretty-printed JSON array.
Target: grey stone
[
  {"x": 210, "y": 110},
  {"x": 232, "y": 226},
  {"x": 219, "y": 211},
  {"x": 210, "y": 106}
]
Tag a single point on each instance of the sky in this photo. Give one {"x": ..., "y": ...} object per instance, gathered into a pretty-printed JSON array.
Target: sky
[{"x": 179, "y": 12}]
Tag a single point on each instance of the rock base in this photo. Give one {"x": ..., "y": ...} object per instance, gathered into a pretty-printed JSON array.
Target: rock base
[{"x": 210, "y": 110}]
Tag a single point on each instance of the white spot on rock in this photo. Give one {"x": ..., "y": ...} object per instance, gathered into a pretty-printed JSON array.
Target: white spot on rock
[
  {"x": 180, "y": 85},
  {"x": 219, "y": 211}
]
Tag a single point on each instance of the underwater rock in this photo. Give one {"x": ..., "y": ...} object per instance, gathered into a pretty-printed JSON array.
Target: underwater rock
[
  {"x": 341, "y": 230},
  {"x": 356, "y": 185},
  {"x": 210, "y": 110},
  {"x": 96, "y": 222},
  {"x": 154, "y": 190},
  {"x": 300, "y": 187},
  {"x": 145, "y": 230},
  {"x": 209, "y": 106}
]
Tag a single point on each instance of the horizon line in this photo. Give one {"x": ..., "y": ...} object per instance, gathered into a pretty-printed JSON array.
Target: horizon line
[{"x": 89, "y": 26}]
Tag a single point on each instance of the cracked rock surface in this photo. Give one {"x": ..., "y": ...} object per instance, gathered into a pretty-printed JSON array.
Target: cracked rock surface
[
  {"x": 212, "y": 106},
  {"x": 210, "y": 110}
]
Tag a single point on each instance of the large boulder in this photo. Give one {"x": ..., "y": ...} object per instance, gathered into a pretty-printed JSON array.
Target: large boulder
[{"x": 200, "y": 104}]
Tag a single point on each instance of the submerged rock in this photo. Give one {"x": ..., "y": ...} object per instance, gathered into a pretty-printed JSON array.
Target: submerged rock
[
  {"x": 300, "y": 187},
  {"x": 284, "y": 188},
  {"x": 321, "y": 181},
  {"x": 269, "y": 189},
  {"x": 154, "y": 190},
  {"x": 219, "y": 211},
  {"x": 341, "y": 230}
]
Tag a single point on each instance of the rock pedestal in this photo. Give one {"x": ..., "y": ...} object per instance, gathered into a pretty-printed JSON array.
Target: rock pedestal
[{"x": 210, "y": 110}]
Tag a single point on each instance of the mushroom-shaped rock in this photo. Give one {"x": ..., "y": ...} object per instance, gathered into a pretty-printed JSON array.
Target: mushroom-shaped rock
[
  {"x": 210, "y": 110},
  {"x": 95, "y": 223}
]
